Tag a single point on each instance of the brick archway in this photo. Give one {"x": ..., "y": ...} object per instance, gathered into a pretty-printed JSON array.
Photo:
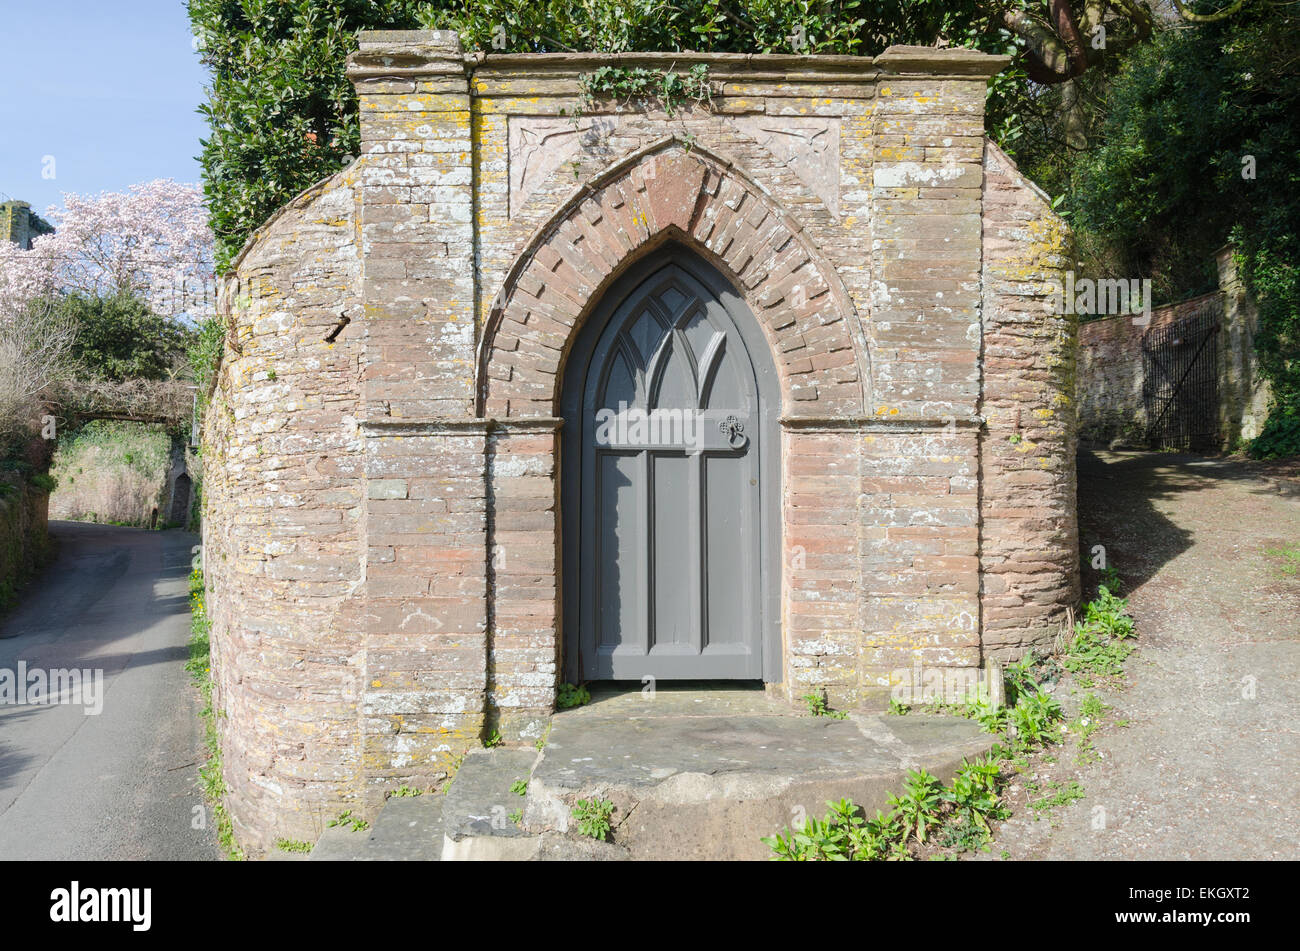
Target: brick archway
[{"x": 672, "y": 191}]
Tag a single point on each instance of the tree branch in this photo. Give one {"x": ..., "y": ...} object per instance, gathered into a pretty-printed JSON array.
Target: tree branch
[{"x": 1223, "y": 14}]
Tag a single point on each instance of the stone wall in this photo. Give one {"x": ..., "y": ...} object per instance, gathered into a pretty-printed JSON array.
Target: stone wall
[
  {"x": 1028, "y": 531},
  {"x": 283, "y": 521},
  {"x": 24, "y": 535},
  {"x": 382, "y": 531},
  {"x": 1111, "y": 408}
]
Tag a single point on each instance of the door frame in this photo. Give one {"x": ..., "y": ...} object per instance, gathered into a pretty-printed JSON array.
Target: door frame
[{"x": 573, "y": 379}]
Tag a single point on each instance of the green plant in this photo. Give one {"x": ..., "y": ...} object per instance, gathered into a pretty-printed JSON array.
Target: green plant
[
  {"x": 493, "y": 739},
  {"x": 626, "y": 85},
  {"x": 819, "y": 707},
  {"x": 1099, "y": 644},
  {"x": 404, "y": 792},
  {"x": 44, "y": 482},
  {"x": 516, "y": 817},
  {"x": 519, "y": 787},
  {"x": 293, "y": 845},
  {"x": 1089, "y": 655},
  {"x": 118, "y": 337},
  {"x": 843, "y": 835},
  {"x": 1108, "y": 615},
  {"x": 348, "y": 820},
  {"x": 918, "y": 806},
  {"x": 1035, "y": 718},
  {"x": 1290, "y": 556},
  {"x": 1061, "y": 796},
  {"x": 593, "y": 817},
  {"x": 1110, "y": 579},
  {"x": 211, "y": 778},
  {"x": 540, "y": 743},
  {"x": 1019, "y": 677},
  {"x": 974, "y": 799},
  {"x": 898, "y": 708},
  {"x": 571, "y": 695}
]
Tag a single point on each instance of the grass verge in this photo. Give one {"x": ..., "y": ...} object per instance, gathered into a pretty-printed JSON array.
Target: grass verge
[{"x": 200, "y": 671}]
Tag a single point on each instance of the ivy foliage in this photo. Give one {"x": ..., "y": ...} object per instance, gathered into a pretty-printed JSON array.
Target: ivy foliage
[
  {"x": 1200, "y": 148},
  {"x": 280, "y": 110}
]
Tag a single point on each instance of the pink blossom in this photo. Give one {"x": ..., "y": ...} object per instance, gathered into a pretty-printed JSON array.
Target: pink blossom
[{"x": 152, "y": 240}]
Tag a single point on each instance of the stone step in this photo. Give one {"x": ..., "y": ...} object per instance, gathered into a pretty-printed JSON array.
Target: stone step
[
  {"x": 684, "y": 784},
  {"x": 709, "y": 787},
  {"x": 478, "y": 805},
  {"x": 407, "y": 829}
]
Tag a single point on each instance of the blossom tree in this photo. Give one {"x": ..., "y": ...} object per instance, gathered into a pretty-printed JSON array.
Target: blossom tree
[{"x": 151, "y": 241}]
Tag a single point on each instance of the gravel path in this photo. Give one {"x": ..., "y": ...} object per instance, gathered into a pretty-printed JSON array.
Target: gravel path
[{"x": 1207, "y": 767}]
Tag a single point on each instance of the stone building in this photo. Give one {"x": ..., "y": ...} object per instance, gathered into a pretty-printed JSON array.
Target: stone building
[
  {"x": 539, "y": 389},
  {"x": 20, "y": 225}
]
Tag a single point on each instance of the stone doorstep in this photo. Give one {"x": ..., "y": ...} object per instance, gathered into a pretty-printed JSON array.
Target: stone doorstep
[
  {"x": 703, "y": 787},
  {"x": 684, "y": 785},
  {"x": 687, "y": 787}
]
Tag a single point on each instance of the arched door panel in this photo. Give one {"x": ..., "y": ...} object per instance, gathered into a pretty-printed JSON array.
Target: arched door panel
[{"x": 669, "y": 513}]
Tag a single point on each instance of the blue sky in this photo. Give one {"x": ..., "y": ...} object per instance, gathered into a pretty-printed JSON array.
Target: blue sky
[{"x": 107, "y": 88}]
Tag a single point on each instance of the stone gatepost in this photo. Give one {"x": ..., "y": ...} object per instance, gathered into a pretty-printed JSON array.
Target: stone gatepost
[{"x": 425, "y": 616}]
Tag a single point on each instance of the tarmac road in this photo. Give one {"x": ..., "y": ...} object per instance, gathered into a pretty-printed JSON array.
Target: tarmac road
[{"x": 120, "y": 784}]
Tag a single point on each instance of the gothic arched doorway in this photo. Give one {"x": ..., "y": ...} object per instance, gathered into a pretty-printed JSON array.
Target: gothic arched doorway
[{"x": 670, "y": 482}]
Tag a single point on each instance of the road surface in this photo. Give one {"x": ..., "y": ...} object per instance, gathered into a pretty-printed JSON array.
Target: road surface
[{"x": 120, "y": 784}]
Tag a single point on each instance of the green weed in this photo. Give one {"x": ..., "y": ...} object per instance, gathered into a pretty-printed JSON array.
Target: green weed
[
  {"x": 570, "y": 696},
  {"x": 593, "y": 817}
]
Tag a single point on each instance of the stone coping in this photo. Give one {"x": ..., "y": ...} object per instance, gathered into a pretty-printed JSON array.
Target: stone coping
[{"x": 419, "y": 53}]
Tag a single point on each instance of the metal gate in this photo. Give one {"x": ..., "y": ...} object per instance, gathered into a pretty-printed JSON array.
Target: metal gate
[{"x": 1180, "y": 381}]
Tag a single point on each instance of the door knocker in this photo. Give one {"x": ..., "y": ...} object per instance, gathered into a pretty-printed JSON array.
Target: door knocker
[{"x": 734, "y": 430}]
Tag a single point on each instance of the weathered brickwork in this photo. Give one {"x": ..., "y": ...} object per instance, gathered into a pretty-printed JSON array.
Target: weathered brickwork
[
  {"x": 383, "y": 520},
  {"x": 1028, "y": 532},
  {"x": 283, "y": 524}
]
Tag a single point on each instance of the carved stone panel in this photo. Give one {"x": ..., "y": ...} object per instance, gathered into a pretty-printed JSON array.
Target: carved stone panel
[
  {"x": 541, "y": 144},
  {"x": 809, "y": 146}
]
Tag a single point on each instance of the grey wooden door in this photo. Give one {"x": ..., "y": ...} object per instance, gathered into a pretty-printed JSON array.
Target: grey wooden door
[{"x": 668, "y": 515}]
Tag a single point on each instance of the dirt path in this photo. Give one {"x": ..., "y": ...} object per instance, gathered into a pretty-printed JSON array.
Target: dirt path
[{"x": 1207, "y": 766}]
